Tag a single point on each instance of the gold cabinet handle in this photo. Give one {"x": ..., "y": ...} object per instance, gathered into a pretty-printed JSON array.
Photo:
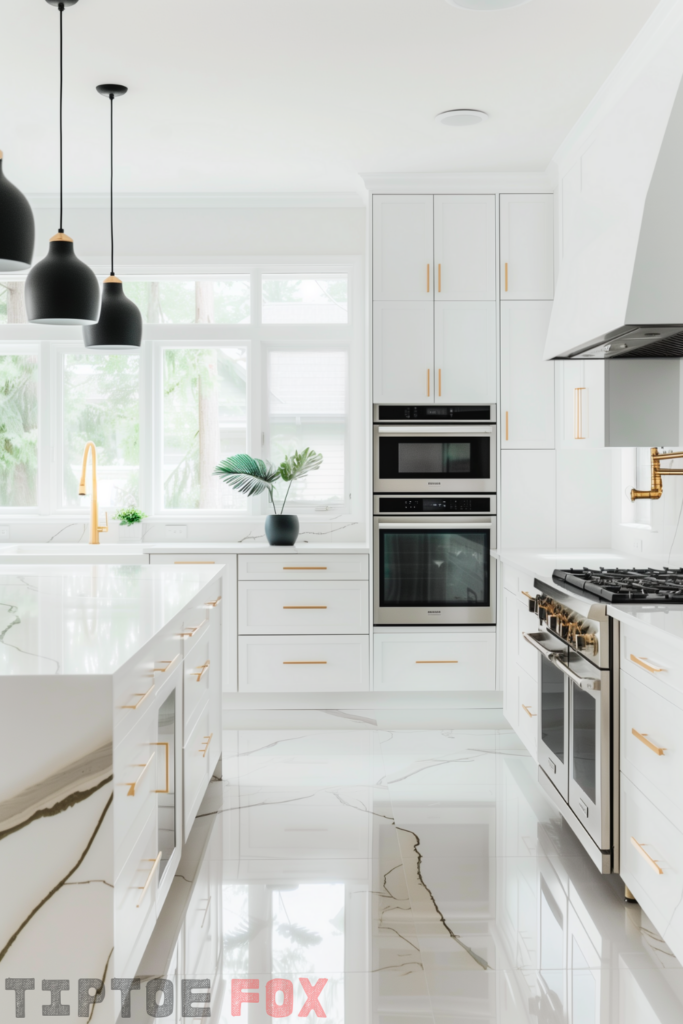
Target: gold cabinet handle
[
  {"x": 449, "y": 662},
  {"x": 429, "y": 287},
  {"x": 147, "y": 884},
  {"x": 199, "y": 671},
  {"x": 169, "y": 664},
  {"x": 428, "y": 384},
  {"x": 642, "y": 736},
  {"x": 194, "y": 563},
  {"x": 507, "y": 426},
  {"x": 439, "y": 277},
  {"x": 212, "y": 604},
  {"x": 439, "y": 383},
  {"x": 578, "y": 414},
  {"x": 132, "y": 785},
  {"x": 168, "y": 777},
  {"x": 142, "y": 696},
  {"x": 530, "y": 596},
  {"x": 643, "y": 853},
  {"x": 644, "y": 664},
  {"x": 203, "y": 750},
  {"x": 506, "y": 277},
  {"x": 297, "y": 606},
  {"x": 189, "y": 631},
  {"x": 304, "y": 663},
  {"x": 529, "y": 713},
  {"x": 304, "y": 568}
]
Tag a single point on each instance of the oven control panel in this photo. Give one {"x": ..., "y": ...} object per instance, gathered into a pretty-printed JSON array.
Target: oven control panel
[
  {"x": 430, "y": 413},
  {"x": 433, "y": 505}
]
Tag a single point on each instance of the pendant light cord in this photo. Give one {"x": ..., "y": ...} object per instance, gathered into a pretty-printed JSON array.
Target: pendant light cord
[
  {"x": 61, "y": 133},
  {"x": 111, "y": 178}
]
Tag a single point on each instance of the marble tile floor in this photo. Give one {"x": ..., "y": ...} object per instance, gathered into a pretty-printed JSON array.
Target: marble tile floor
[{"x": 423, "y": 873}]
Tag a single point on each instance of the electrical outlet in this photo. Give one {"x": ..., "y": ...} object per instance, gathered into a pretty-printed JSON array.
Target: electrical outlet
[
  {"x": 4, "y": 532},
  {"x": 176, "y": 532}
]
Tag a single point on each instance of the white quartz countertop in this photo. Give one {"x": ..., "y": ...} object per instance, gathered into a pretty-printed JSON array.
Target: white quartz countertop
[
  {"x": 664, "y": 621},
  {"x": 132, "y": 554},
  {"x": 88, "y": 619}
]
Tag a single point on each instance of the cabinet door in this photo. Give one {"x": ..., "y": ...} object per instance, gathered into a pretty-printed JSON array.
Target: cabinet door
[
  {"x": 465, "y": 352},
  {"x": 527, "y": 381},
  {"x": 526, "y": 246},
  {"x": 402, "y": 247},
  {"x": 465, "y": 247},
  {"x": 509, "y": 679},
  {"x": 527, "y": 499},
  {"x": 403, "y": 352},
  {"x": 581, "y": 404}
]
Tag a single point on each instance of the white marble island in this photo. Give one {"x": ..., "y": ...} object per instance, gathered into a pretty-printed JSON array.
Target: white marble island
[{"x": 109, "y": 734}]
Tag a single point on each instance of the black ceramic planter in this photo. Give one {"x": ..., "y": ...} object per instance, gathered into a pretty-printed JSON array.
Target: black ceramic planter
[{"x": 282, "y": 529}]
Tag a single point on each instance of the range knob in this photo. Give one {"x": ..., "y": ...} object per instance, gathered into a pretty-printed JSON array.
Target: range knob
[
  {"x": 541, "y": 614},
  {"x": 553, "y": 623},
  {"x": 564, "y": 630}
]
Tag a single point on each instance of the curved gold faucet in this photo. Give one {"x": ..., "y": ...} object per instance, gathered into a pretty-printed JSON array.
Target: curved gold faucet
[
  {"x": 95, "y": 529},
  {"x": 657, "y": 484}
]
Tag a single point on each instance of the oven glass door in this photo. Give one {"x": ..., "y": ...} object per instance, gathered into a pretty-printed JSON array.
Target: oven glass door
[
  {"x": 553, "y": 724},
  {"x": 589, "y": 766},
  {"x": 462, "y": 460}
]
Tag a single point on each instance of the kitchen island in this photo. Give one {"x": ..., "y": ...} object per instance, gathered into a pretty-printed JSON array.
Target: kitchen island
[{"x": 110, "y": 731}]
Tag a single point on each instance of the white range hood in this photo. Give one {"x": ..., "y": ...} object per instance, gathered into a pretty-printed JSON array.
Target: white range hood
[{"x": 620, "y": 288}]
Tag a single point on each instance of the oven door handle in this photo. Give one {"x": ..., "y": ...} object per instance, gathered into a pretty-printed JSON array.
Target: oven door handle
[
  {"x": 554, "y": 659},
  {"x": 417, "y": 525},
  {"x": 448, "y": 431}
]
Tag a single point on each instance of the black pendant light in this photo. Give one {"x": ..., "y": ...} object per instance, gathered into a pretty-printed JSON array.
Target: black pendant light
[
  {"x": 61, "y": 289},
  {"x": 120, "y": 323},
  {"x": 17, "y": 230}
]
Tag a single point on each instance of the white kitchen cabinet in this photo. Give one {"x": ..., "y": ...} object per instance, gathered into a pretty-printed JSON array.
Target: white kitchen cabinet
[
  {"x": 403, "y": 352},
  {"x": 526, "y": 246},
  {"x": 303, "y": 664},
  {"x": 580, "y": 399},
  {"x": 465, "y": 352},
  {"x": 465, "y": 247},
  {"x": 527, "y": 381},
  {"x": 403, "y": 247},
  {"x": 527, "y": 499},
  {"x": 435, "y": 660}
]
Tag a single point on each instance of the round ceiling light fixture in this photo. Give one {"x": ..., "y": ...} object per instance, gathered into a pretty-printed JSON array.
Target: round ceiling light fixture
[
  {"x": 462, "y": 118},
  {"x": 486, "y": 5}
]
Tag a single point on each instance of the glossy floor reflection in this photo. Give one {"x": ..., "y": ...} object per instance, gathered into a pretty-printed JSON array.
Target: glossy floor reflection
[{"x": 424, "y": 875}]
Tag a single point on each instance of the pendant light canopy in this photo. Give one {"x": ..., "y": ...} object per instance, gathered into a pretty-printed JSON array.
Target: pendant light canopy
[
  {"x": 120, "y": 323},
  {"x": 17, "y": 230},
  {"x": 61, "y": 289}
]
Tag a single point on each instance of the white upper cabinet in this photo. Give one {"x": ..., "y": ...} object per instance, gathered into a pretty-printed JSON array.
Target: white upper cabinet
[
  {"x": 465, "y": 247},
  {"x": 403, "y": 352},
  {"x": 403, "y": 248},
  {"x": 465, "y": 352},
  {"x": 526, "y": 246},
  {"x": 527, "y": 382}
]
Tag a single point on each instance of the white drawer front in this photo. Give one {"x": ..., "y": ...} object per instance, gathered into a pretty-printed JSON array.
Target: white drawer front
[
  {"x": 651, "y": 738},
  {"x": 197, "y": 756},
  {"x": 303, "y": 663},
  {"x": 527, "y": 713},
  {"x": 290, "y": 608},
  {"x": 198, "y": 674},
  {"x": 135, "y": 692},
  {"x": 134, "y": 905},
  {"x": 136, "y": 777},
  {"x": 651, "y": 661},
  {"x": 652, "y": 869},
  {"x": 303, "y": 567},
  {"x": 446, "y": 662}
]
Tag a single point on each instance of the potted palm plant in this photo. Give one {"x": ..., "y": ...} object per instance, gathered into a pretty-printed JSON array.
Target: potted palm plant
[{"x": 254, "y": 476}]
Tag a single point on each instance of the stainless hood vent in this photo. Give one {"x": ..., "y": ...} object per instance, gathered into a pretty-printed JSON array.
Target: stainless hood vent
[{"x": 619, "y": 293}]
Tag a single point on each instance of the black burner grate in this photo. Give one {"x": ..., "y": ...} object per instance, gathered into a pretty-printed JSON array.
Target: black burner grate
[{"x": 625, "y": 586}]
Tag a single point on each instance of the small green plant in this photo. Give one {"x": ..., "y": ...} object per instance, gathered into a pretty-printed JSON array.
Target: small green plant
[
  {"x": 253, "y": 476},
  {"x": 130, "y": 516}
]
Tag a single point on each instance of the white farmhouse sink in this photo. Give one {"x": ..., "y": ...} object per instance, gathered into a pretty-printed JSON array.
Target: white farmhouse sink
[{"x": 72, "y": 554}]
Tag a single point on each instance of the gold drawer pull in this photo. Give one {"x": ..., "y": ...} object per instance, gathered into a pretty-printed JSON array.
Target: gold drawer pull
[
  {"x": 439, "y": 277},
  {"x": 169, "y": 664},
  {"x": 450, "y": 662},
  {"x": 507, "y": 426},
  {"x": 304, "y": 663},
  {"x": 506, "y": 277},
  {"x": 167, "y": 768},
  {"x": 212, "y": 604},
  {"x": 643, "y": 664},
  {"x": 289, "y": 606},
  {"x": 642, "y": 736},
  {"x": 146, "y": 886},
  {"x": 653, "y": 863},
  {"x": 194, "y": 563},
  {"x": 200, "y": 670},
  {"x": 142, "y": 696},
  {"x": 203, "y": 750},
  {"x": 439, "y": 383},
  {"x": 132, "y": 785},
  {"x": 530, "y": 596},
  {"x": 529, "y": 713},
  {"x": 304, "y": 568},
  {"x": 578, "y": 414},
  {"x": 189, "y": 631}
]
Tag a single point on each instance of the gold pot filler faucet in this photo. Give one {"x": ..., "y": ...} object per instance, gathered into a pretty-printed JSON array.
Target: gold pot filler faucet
[
  {"x": 656, "y": 483},
  {"x": 95, "y": 529}
]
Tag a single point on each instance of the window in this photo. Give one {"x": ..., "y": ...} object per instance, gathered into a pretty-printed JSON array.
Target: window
[{"x": 265, "y": 360}]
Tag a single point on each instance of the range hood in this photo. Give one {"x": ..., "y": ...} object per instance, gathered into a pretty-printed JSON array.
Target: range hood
[{"x": 619, "y": 292}]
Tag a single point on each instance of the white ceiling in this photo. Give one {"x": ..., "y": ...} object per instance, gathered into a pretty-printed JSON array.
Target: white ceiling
[{"x": 297, "y": 95}]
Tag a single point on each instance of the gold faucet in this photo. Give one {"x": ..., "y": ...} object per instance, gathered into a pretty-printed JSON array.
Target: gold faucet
[
  {"x": 657, "y": 484},
  {"x": 95, "y": 529}
]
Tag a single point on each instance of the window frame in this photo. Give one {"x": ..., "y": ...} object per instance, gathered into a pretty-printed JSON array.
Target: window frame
[{"x": 51, "y": 343}]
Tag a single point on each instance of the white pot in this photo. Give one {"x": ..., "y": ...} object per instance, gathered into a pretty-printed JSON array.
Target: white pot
[{"x": 130, "y": 534}]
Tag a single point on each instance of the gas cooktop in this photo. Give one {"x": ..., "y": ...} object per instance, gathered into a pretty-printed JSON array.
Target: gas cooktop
[{"x": 627, "y": 586}]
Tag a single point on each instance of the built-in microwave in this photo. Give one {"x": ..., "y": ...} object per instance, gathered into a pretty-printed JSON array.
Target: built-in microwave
[{"x": 434, "y": 449}]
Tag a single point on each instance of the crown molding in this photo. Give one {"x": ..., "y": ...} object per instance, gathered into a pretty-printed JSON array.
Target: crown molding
[
  {"x": 459, "y": 181},
  {"x": 200, "y": 201}
]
